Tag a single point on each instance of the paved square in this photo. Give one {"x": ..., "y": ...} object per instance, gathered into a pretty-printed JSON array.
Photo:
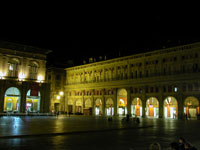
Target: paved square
[{"x": 79, "y": 132}]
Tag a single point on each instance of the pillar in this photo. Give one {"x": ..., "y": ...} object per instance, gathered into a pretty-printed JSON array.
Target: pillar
[
  {"x": 1, "y": 96},
  {"x": 143, "y": 106},
  {"x": 74, "y": 106},
  {"x": 180, "y": 106},
  {"x": 128, "y": 101},
  {"x": 115, "y": 102},
  {"x": 160, "y": 99}
]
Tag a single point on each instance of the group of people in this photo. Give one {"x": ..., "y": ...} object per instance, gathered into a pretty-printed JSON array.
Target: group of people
[{"x": 182, "y": 144}]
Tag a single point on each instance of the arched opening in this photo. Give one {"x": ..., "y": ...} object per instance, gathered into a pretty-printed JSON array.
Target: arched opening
[
  {"x": 98, "y": 107},
  {"x": 136, "y": 107},
  {"x": 122, "y": 102},
  {"x": 32, "y": 102},
  {"x": 152, "y": 107},
  {"x": 12, "y": 100},
  {"x": 170, "y": 107},
  {"x": 79, "y": 106},
  {"x": 88, "y": 107},
  {"x": 109, "y": 107},
  {"x": 191, "y": 107},
  {"x": 70, "y": 106}
]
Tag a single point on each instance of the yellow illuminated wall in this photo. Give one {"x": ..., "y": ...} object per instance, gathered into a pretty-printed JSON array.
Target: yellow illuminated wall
[{"x": 12, "y": 100}]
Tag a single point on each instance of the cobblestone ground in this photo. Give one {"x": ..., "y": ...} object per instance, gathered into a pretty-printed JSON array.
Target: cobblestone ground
[{"x": 79, "y": 132}]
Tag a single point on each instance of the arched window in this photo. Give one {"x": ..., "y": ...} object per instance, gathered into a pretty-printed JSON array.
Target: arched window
[
  {"x": 13, "y": 67},
  {"x": 33, "y": 70}
]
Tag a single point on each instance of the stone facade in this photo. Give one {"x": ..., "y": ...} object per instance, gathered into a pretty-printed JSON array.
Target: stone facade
[
  {"x": 22, "y": 72},
  {"x": 56, "y": 78},
  {"x": 161, "y": 83}
]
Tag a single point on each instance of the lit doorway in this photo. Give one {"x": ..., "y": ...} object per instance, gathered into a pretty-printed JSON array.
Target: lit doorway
[
  {"x": 152, "y": 107},
  {"x": 98, "y": 107},
  {"x": 170, "y": 107},
  {"x": 191, "y": 107},
  {"x": 12, "y": 100},
  {"x": 109, "y": 107},
  {"x": 136, "y": 107},
  {"x": 122, "y": 102},
  {"x": 33, "y": 101}
]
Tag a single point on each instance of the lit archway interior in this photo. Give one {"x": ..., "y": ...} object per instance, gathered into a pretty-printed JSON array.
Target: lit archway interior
[
  {"x": 109, "y": 107},
  {"x": 152, "y": 107},
  {"x": 98, "y": 108},
  {"x": 136, "y": 107},
  {"x": 122, "y": 101},
  {"x": 170, "y": 107},
  {"x": 12, "y": 100},
  {"x": 78, "y": 106},
  {"x": 32, "y": 102},
  {"x": 88, "y": 107},
  {"x": 191, "y": 106}
]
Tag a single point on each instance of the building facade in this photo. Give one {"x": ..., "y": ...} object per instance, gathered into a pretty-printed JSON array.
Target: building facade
[
  {"x": 22, "y": 79},
  {"x": 56, "y": 77},
  {"x": 162, "y": 83}
]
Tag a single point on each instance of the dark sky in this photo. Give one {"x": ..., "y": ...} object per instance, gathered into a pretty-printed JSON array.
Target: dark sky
[{"x": 112, "y": 35}]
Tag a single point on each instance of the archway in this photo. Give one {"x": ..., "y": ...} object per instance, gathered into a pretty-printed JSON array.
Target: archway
[
  {"x": 12, "y": 100},
  {"x": 136, "y": 107},
  {"x": 109, "y": 107},
  {"x": 32, "y": 102},
  {"x": 122, "y": 101},
  {"x": 170, "y": 107},
  {"x": 152, "y": 107},
  {"x": 70, "y": 106},
  {"x": 88, "y": 107},
  {"x": 79, "y": 106},
  {"x": 191, "y": 107},
  {"x": 98, "y": 107}
]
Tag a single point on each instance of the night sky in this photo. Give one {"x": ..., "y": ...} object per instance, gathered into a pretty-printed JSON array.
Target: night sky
[{"x": 78, "y": 39}]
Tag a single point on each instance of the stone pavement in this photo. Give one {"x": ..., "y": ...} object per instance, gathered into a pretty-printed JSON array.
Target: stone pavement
[{"x": 79, "y": 132}]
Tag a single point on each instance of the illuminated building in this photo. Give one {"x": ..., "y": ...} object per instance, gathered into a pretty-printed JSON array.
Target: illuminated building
[
  {"x": 161, "y": 83},
  {"x": 22, "y": 79},
  {"x": 56, "y": 78}
]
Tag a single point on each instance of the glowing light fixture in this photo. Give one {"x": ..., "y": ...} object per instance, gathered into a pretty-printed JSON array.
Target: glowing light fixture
[
  {"x": 40, "y": 78},
  {"x": 21, "y": 76},
  {"x": 58, "y": 97},
  {"x": 61, "y": 93},
  {"x": 2, "y": 74}
]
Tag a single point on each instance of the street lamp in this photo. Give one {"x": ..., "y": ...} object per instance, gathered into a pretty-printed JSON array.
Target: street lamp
[{"x": 61, "y": 94}]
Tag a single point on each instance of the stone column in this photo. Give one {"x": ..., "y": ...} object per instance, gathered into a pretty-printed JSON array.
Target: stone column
[
  {"x": 2, "y": 96},
  {"x": 115, "y": 102},
  {"x": 143, "y": 106},
  {"x": 180, "y": 106},
  {"x": 23, "y": 99},
  {"x": 160, "y": 99},
  {"x": 74, "y": 106},
  {"x": 128, "y": 101}
]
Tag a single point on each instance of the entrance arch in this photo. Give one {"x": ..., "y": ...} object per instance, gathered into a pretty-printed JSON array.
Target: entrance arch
[
  {"x": 191, "y": 107},
  {"x": 122, "y": 101},
  {"x": 136, "y": 107},
  {"x": 88, "y": 107},
  {"x": 32, "y": 102},
  {"x": 12, "y": 100},
  {"x": 152, "y": 107},
  {"x": 98, "y": 107},
  {"x": 170, "y": 107},
  {"x": 109, "y": 107},
  {"x": 70, "y": 106},
  {"x": 79, "y": 106}
]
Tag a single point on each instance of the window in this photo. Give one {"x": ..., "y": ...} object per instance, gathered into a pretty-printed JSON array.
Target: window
[
  {"x": 33, "y": 70},
  {"x": 13, "y": 68},
  {"x": 58, "y": 77},
  {"x": 175, "y": 89}
]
